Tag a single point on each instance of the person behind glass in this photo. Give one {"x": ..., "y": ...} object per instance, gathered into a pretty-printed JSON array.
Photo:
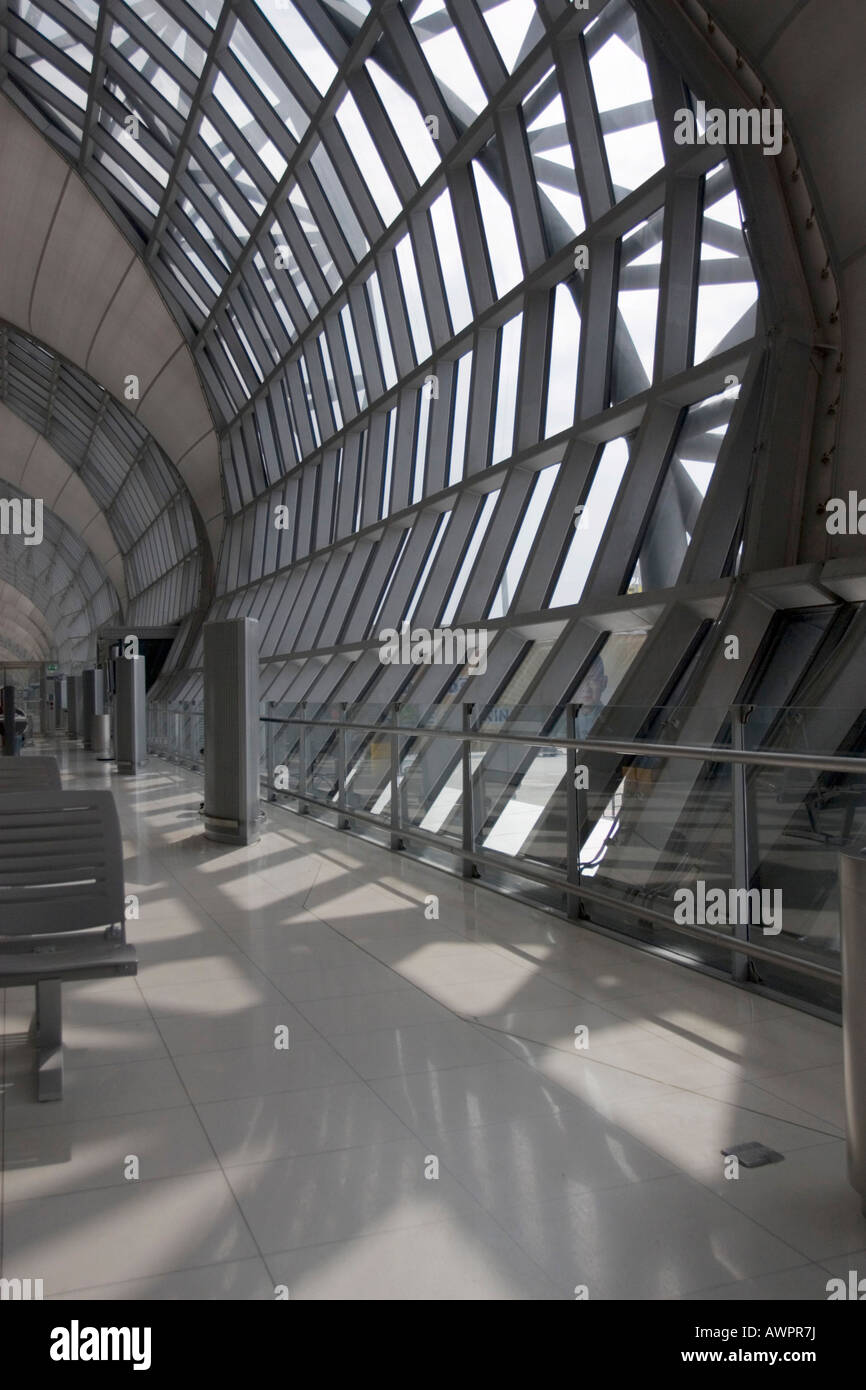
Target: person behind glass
[{"x": 590, "y": 698}]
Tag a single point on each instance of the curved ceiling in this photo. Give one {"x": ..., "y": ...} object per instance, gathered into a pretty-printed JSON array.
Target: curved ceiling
[
  {"x": 26, "y": 634},
  {"x": 72, "y": 280},
  {"x": 61, "y": 579},
  {"x": 29, "y": 462},
  {"x": 64, "y": 439}
]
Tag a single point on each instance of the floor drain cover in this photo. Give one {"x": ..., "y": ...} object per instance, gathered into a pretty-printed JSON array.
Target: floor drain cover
[{"x": 754, "y": 1155}]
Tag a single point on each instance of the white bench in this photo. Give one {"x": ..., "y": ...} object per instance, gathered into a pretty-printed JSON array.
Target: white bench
[
  {"x": 29, "y": 774},
  {"x": 61, "y": 906}
]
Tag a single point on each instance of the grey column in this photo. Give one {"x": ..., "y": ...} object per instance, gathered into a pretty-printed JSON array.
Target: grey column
[
  {"x": 10, "y": 738},
  {"x": 852, "y": 915},
  {"x": 57, "y": 687},
  {"x": 44, "y": 720},
  {"x": 73, "y": 706},
  {"x": 100, "y": 740},
  {"x": 231, "y": 731},
  {"x": 93, "y": 701},
  {"x": 130, "y": 731}
]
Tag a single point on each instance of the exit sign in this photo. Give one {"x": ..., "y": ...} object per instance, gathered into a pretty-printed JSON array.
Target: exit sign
[{"x": 51, "y": 666}]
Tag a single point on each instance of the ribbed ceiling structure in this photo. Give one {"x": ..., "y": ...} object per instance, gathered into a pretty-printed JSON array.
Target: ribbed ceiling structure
[
  {"x": 498, "y": 351},
  {"x": 25, "y": 634},
  {"x": 62, "y": 580},
  {"x": 71, "y": 283},
  {"x": 92, "y": 462}
]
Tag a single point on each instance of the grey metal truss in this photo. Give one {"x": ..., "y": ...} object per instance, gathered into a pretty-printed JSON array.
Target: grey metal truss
[
  {"x": 141, "y": 495},
  {"x": 63, "y": 581}
]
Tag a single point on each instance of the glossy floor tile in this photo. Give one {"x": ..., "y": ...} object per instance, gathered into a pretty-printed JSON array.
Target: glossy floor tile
[
  {"x": 234, "y": 1280},
  {"x": 461, "y": 1258},
  {"x": 256, "y": 1129},
  {"x": 315, "y": 1089},
  {"x": 420, "y": 1047},
  {"x": 334, "y": 1195},
  {"x": 663, "y": 1238},
  {"x": 121, "y": 1233},
  {"x": 807, "y": 1284},
  {"x": 71, "y": 1157}
]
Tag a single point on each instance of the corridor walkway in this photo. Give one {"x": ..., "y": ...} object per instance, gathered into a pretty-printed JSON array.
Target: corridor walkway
[{"x": 327, "y": 1082}]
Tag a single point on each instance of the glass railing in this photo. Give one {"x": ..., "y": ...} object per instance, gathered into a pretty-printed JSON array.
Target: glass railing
[
  {"x": 176, "y": 731},
  {"x": 688, "y": 830}
]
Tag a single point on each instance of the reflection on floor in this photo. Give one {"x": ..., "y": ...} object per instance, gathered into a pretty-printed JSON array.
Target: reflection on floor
[{"x": 431, "y": 1131}]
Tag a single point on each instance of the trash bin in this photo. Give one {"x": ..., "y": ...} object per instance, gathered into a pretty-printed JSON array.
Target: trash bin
[
  {"x": 101, "y": 738},
  {"x": 852, "y": 918}
]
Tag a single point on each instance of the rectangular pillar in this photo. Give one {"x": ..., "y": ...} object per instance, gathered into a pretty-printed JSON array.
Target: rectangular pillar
[
  {"x": 93, "y": 700},
  {"x": 73, "y": 706},
  {"x": 11, "y": 742},
  {"x": 130, "y": 726},
  {"x": 231, "y": 731},
  {"x": 56, "y": 684},
  {"x": 44, "y": 720}
]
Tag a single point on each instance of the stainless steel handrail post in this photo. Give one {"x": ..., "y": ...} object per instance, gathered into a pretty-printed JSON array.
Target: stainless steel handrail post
[
  {"x": 343, "y": 821},
  {"x": 741, "y": 857},
  {"x": 470, "y": 869},
  {"x": 575, "y": 817},
  {"x": 394, "y": 739},
  {"x": 303, "y": 758},
  {"x": 270, "y": 752}
]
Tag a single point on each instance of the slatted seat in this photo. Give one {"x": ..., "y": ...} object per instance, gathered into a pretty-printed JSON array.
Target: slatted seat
[
  {"x": 61, "y": 905},
  {"x": 29, "y": 774}
]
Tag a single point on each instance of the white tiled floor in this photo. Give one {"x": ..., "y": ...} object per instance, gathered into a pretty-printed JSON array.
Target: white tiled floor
[{"x": 431, "y": 1131}]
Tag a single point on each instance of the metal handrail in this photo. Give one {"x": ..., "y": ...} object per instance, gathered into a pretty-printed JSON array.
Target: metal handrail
[
  {"x": 539, "y": 873},
  {"x": 707, "y": 753},
  {"x": 573, "y": 884}
]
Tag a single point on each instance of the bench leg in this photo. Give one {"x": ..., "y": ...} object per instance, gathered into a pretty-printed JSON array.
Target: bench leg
[{"x": 49, "y": 1040}]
